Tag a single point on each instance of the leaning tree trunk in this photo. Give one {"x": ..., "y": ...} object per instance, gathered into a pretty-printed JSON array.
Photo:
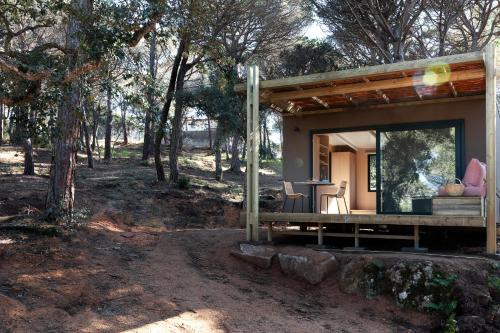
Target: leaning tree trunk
[
  {"x": 218, "y": 153},
  {"x": 235, "y": 155},
  {"x": 148, "y": 136},
  {"x": 60, "y": 196},
  {"x": 109, "y": 119},
  {"x": 29, "y": 165},
  {"x": 176, "y": 130},
  {"x": 160, "y": 132}
]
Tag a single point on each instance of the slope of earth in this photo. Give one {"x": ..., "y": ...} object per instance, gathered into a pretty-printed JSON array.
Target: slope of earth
[{"x": 148, "y": 256}]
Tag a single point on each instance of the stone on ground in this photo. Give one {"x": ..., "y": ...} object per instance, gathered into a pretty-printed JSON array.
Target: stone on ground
[
  {"x": 258, "y": 255},
  {"x": 312, "y": 266}
]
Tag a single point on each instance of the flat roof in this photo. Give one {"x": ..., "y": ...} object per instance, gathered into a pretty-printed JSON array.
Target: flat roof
[{"x": 446, "y": 78}]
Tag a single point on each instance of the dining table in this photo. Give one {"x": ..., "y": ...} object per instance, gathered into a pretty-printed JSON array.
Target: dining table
[{"x": 314, "y": 184}]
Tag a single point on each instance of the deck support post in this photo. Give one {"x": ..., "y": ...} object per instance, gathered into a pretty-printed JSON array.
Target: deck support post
[
  {"x": 356, "y": 235},
  {"x": 416, "y": 237},
  {"x": 320, "y": 234},
  {"x": 253, "y": 138},
  {"x": 491, "y": 154},
  {"x": 270, "y": 232}
]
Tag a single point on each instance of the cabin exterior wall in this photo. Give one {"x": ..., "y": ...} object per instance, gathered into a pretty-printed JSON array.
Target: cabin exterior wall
[{"x": 297, "y": 161}]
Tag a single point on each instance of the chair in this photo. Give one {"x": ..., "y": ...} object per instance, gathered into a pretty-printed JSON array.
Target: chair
[
  {"x": 290, "y": 194},
  {"x": 339, "y": 195}
]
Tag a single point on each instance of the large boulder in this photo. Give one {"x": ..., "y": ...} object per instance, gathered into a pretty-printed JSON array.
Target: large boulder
[
  {"x": 312, "y": 266},
  {"x": 257, "y": 255}
]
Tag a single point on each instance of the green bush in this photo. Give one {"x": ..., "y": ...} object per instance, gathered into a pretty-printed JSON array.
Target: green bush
[{"x": 183, "y": 182}]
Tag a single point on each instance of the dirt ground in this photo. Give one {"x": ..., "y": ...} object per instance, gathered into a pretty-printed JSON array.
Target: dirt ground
[{"x": 152, "y": 258}]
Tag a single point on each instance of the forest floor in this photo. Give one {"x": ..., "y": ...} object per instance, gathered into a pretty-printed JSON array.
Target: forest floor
[{"x": 147, "y": 257}]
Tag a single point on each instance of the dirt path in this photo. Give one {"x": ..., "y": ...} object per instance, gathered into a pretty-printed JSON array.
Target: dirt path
[
  {"x": 113, "y": 280},
  {"x": 134, "y": 266}
]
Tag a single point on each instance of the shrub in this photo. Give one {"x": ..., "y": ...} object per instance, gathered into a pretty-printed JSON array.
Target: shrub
[{"x": 183, "y": 182}]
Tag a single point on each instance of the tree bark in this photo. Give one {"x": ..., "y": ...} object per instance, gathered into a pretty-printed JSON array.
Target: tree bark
[
  {"x": 109, "y": 120},
  {"x": 176, "y": 130},
  {"x": 60, "y": 196},
  {"x": 29, "y": 165},
  {"x": 209, "y": 133},
  {"x": 1, "y": 124},
  {"x": 235, "y": 155},
  {"x": 90, "y": 157},
  {"x": 218, "y": 153},
  {"x": 160, "y": 172},
  {"x": 96, "y": 113},
  {"x": 147, "y": 148},
  {"x": 124, "y": 125}
]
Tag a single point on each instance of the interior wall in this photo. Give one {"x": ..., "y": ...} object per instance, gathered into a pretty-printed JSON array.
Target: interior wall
[
  {"x": 297, "y": 130},
  {"x": 365, "y": 200}
]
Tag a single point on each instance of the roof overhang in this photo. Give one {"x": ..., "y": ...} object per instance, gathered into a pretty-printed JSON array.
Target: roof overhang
[{"x": 419, "y": 81}]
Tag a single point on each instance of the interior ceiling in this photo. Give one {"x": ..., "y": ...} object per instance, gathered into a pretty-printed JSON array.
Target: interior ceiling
[{"x": 356, "y": 140}]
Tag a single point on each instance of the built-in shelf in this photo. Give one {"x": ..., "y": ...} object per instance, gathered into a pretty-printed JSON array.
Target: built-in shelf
[{"x": 321, "y": 156}]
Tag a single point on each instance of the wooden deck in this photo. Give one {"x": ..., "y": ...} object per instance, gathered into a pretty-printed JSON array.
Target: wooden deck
[{"x": 317, "y": 222}]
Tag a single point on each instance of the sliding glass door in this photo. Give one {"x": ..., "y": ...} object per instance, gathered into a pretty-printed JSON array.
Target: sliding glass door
[{"x": 412, "y": 162}]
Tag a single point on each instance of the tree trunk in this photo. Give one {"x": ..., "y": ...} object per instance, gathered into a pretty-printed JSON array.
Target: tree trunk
[
  {"x": 244, "y": 152},
  {"x": 96, "y": 113},
  {"x": 176, "y": 130},
  {"x": 1, "y": 124},
  {"x": 109, "y": 120},
  {"x": 209, "y": 133},
  {"x": 160, "y": 172},
  {"x": 29, "y": 165},
  {"x": 90, "y": 157},
  {"x": 235, "y": 155},
  {"x": 124, "y": 125},
  {"x": 226, "y": 144},
  {"x": 218, "y": 153},
  {"x": 60, "y": 196},
  {"x": 147, "y": 148}
]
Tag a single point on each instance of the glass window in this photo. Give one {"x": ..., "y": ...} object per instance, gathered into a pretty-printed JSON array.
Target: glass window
[{"x": 413, "y": 164}]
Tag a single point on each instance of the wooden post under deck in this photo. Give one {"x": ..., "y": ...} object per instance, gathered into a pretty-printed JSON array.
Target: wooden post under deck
[
  {"x": 491, "y": 127},
  {"x": 253, "y": 137}
]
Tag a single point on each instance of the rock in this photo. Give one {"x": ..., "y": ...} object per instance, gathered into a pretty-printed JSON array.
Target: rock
[
  {"x": 11, "y": 308},
  {"x": 307, "y": 264},
  {"x": 258, "y": 255},
  {"x": 472, "y": 299},
  {"x": 352, "y": 274},
  {"x": 474, "y": 324}
]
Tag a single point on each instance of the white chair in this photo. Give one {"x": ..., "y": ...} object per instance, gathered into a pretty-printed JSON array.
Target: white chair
[
  {"x": 339, "y": 195},
  {"x": 290, "y": 194}
]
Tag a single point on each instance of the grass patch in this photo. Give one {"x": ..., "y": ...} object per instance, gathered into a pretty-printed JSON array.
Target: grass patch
[{"x": 275, "y": 165}]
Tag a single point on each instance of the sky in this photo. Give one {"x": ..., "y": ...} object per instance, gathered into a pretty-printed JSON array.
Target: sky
[{"x": 315, "y": 30}]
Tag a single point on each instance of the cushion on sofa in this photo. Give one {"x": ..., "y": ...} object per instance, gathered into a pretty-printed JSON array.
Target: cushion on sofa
[{"x": 475, "y": 173}]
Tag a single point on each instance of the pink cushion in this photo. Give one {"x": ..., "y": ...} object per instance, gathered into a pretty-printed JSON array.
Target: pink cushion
[
  {"x": 475, "y": 173},
  {"x": 442, "y": 192},
  {"x": 475, "y": 191}
]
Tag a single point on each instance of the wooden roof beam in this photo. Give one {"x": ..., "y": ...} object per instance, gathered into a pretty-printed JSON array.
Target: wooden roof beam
[
  {"x": 450, "y": 83},
  {"x": 380, "y": 85},
  {"x": 367, "y": 71},
  {"x": 415, "y": 88},
  {"x": 379, "y": 92},
  {"x": 320, "y": 101},
  {"x": 316, "y": 99}
]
